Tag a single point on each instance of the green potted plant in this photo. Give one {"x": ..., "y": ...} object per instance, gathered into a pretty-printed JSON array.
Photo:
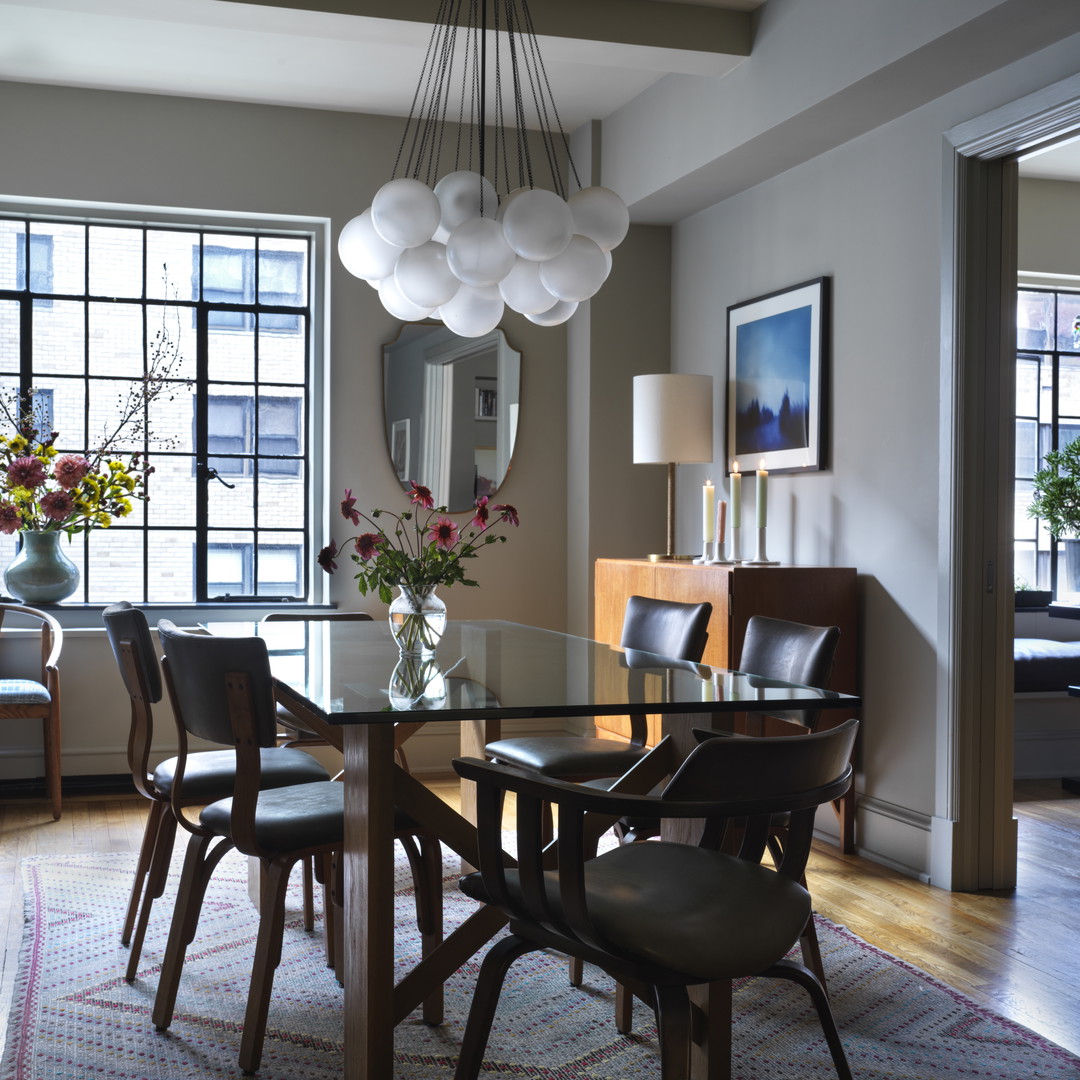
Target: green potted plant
[{"x": 1056, "y": 500}]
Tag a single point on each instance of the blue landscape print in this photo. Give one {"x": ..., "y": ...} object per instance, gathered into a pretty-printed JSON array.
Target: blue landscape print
[{"x": 772, "y": 383}]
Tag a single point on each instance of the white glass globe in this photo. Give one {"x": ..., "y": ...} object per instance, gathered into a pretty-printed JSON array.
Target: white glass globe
[
  {"x": 507, "y": 200},
  {"x": 556, "y": 315},
  {"x": 460, "y": 195},
  {"x": 577, "y": 273},
  {"x": 478, "y": 253},
  {"x": 522, "y": 289},
  {"x": 600, "y": 215},
  {"x": 398, "y": 305},
  {"x": 473, "y": 312},
  {"x": 538, "y": 224},
  {"x": 405, "y": 212},
  {"x": 363, "y": 251},
  {"x": 423, "y": 275}
]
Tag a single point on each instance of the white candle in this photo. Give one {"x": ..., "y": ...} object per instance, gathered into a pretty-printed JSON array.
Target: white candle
[
  {"x": 721, "y": 525},
  {"x": 762, "y": 495},
  {"x": 736, "y": 496},
  {"x": 708, "y": 511}
]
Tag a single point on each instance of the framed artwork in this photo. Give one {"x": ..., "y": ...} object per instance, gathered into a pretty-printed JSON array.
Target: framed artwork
[
  {"x": 399, "y": 447},
  {"x": 487, "y": 398},
  {"x": 777, "y": 356}
]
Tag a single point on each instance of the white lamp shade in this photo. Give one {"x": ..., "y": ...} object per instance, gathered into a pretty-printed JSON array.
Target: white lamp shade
[{"x": 673, "y": 419}]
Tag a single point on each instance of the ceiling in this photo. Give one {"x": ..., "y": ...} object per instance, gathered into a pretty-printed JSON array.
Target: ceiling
[
  {"x": 351, "y": 54},
  {"x": 1059, "y": 162}
]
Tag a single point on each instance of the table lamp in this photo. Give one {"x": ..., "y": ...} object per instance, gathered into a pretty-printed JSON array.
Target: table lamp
[{"x": 672, "y": 426}]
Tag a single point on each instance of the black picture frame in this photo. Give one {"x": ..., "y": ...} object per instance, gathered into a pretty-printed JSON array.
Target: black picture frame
[{"x": 777, "y": 354}]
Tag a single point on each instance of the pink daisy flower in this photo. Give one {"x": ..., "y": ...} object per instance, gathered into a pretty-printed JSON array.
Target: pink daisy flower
[{"x": 444, "y": 534}]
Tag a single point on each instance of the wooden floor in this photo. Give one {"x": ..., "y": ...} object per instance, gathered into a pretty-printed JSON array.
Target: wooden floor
[{"x": 1016, "y": 951}]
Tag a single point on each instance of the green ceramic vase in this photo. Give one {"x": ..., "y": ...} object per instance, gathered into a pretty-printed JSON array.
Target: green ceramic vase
[{"x": 41, "y": 573}]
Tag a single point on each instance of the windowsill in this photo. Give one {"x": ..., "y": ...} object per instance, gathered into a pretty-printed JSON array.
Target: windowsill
[{"x": 88, "y": 616}]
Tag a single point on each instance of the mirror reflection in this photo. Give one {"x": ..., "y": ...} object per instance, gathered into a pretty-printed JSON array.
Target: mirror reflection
[{"x": 451, "y": 411}]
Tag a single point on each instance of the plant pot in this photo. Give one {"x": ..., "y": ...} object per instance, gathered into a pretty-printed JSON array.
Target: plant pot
[
  {"x": 1033, "y": 598},
  {"x": 417, "y": 620},
  {"x": 41, "y": 573}
]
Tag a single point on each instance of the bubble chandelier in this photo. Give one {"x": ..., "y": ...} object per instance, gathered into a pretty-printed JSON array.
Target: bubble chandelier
[{"x": 458, "y": 246}]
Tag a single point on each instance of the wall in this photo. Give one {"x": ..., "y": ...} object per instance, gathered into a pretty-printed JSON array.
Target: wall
[
  {"x": 870, "y": 213},
  {"x": 161, "y": 152}
]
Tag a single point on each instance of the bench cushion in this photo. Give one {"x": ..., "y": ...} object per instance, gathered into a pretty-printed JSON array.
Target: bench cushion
[{"x": 1043, "y": 665}]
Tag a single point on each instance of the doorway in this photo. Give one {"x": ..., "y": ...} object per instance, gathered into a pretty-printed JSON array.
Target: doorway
[{"x": 974, "y": 839}]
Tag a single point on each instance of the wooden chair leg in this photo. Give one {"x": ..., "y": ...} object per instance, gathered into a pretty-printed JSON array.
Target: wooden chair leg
[
  {"x": 673, "y": 1023},
  {"x": 811, "y": 951},
  {"x": 157, "y": 878},
  {"x": 575, "y": 970},
  {"x": 485, "y": 1001},
  {"x": 53, "y": 768},
  {"x": 146, "y": 851},
  {"x": 789, "y": 969},
  {"x": 273, "y": 881},
  {"x": 199, "y": 864},
  {"x": 425, "y": 861},
  {"x": 624, "y": 1009},
  {"x": 309, "y": 894}
]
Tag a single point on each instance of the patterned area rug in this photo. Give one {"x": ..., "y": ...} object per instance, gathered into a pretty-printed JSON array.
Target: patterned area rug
[{"x": 74, "y": 1017}]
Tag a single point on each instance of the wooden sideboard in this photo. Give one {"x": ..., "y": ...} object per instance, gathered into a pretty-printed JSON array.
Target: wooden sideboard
[{"x": 818, "y": 595}]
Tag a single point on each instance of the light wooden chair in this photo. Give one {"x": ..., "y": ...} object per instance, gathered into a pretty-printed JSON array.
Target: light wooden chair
[{"x": 39, "y": 698}]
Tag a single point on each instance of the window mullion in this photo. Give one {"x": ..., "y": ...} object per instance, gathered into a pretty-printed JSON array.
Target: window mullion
[{"x": 202, "y": 458}]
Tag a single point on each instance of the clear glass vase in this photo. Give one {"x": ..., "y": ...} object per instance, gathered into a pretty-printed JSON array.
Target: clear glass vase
[
  {"x": 41, "y": 573},
  {"x": 417, "y": 685},
  {"x": 417, "y": 620}
]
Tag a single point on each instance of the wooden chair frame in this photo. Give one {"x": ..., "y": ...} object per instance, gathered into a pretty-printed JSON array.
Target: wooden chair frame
[{"x": 52, "y": 640}]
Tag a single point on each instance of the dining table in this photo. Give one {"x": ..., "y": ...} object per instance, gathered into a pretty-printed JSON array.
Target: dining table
[{"x": 348, "y": 679}]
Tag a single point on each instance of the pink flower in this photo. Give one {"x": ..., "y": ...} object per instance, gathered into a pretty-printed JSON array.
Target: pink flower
[
  {"x": 57, "y": 505},
  {"x": 444, "y": 534},
  {"x": 27, "y": 472},
  {"x": 327, "y": 556},
  {"x": 10, "y": 521},
  {"x": 421, "y": 496},
  {"x": 70, "y": 470},
  {"x": 509, "y": 513},
  {"x": 367, "y": 545},
  {"x": 480, "y": 518},
  {"x": 347, "y": 505}
]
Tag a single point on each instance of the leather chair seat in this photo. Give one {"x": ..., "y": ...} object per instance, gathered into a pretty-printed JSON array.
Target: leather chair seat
[
  {"x": 23, "y": 692},
  {"x": 668, "y": 905},
  {"x": 209, "y": 775},
  {"x": 567, "y": 757},
  {"x": 287, "y": 817}
]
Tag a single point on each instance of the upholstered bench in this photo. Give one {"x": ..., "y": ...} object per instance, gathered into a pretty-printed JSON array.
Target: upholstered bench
[
  {"x": 1043, "y": 672},
  {"x": 1042, "y": 665}
]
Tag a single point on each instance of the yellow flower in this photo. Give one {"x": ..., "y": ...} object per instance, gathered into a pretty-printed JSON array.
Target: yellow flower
[
  {"x": 102, "y": 519},
  {"x": 123, "y": 508},
  {"x": 18, "y": 443}
]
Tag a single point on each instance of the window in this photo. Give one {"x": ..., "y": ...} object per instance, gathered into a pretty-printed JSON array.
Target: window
[
  {"x": 228, "y": 514},
  {"x": 1047, "y": 418}
]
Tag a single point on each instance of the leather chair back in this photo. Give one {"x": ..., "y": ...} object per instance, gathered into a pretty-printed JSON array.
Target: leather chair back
[
  {"x": 198, "y": 666},
  {"x": 126, "y": 623},
  {"x": 666, "y": 627}
]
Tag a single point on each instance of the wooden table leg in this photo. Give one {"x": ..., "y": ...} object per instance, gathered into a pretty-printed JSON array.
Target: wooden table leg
[{"x": 368, "y": 930}]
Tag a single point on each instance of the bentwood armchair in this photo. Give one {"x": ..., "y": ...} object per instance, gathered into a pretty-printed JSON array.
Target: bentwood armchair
[
  {"x": 221, "y": 689},
  {"x": 207, "y": 775},
  {"x": 662, "y": 917},
  {"x": 38, "y": 698}
]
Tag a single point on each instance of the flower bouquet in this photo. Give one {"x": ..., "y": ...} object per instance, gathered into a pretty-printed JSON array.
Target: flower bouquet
[{"x": 422, "y": 549}]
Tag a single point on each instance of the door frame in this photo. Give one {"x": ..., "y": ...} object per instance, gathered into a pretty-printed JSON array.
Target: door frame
[{"x": 973, "y": 834}]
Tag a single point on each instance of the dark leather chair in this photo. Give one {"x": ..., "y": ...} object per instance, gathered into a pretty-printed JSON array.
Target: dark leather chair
[
  {"x": 39, "y": 698},
  {"x": 208, "y": 775},
  {"x": 662, "y": 917},
  {"x": 221, "y": 690},
  {"x": 664, "y": 627}
]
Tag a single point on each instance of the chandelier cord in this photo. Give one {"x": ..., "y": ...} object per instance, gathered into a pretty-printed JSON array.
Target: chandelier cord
[
  {"x": 432, "y": 40},
  {"x": 530, "y": 30}
]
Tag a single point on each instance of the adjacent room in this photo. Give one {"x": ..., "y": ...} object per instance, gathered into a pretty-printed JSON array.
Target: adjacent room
[{"x": 539, "y": 537}]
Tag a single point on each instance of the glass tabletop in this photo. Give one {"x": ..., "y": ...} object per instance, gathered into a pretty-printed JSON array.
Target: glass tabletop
[{"x": 351, "y": 672}]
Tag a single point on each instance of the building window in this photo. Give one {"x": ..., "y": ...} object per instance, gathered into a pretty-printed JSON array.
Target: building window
[
  {"x": 1047, "y": 418},
  {"x": 232, "y": 455},
  {"x": 273, "y": 436}
]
